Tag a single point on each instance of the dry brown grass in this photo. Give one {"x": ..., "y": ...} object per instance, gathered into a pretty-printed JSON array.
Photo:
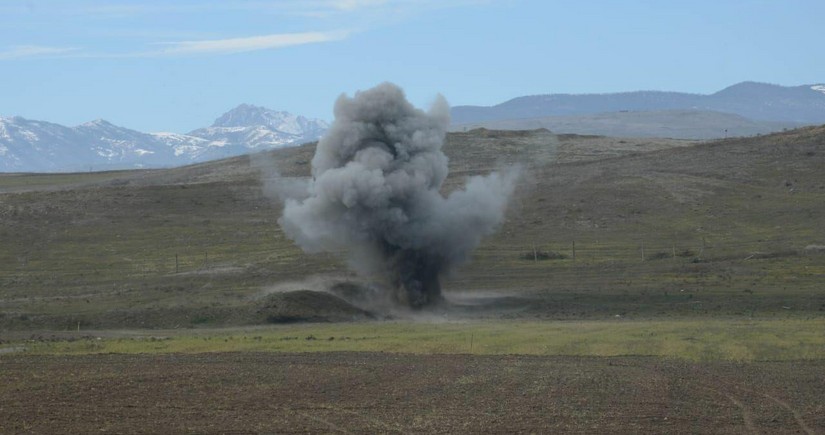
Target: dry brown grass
[{"x": 100, "y": 250}]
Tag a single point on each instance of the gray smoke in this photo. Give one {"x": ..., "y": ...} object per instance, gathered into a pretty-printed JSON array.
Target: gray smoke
[{"x": 375, "y": 196}]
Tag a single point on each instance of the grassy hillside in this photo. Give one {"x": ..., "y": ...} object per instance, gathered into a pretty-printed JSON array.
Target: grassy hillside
[
  {"x": 718, "y": 228},
  {"x": 661, "y": 229}
]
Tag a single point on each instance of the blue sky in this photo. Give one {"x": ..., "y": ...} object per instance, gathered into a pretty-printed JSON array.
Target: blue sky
[{"x": 177, "y": 65}]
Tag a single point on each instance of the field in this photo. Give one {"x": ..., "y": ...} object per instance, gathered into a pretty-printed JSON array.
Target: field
[
  {"x": 637, "y": 285},
  {"x": 691, "y": 340},
  {"x": 399, "y": 393}
]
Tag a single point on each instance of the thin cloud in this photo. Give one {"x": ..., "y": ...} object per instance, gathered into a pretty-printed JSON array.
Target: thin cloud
[
  {"x": 241, "y": 45},
  {"x": 184, "y": 48},
  {"x": 358, "y": 16},
  {"x": 303, "y": 8},
  {"x": 30, "y": 51},
  {"x": 121, "y": 8},
  {"x": 127, "y": 8},
  {"x": 348, "y": 5}
]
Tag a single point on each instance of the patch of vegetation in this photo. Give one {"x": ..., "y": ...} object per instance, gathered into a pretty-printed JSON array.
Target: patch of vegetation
[
  {"x": 27, "y": 181},
  {"x": 661, "y": 255},
  {"x": 698, "y": 340},
  {"x": 201, "y": 320},
  {"x": 539, "y": 255}
]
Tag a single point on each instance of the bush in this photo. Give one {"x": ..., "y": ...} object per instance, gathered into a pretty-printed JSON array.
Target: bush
[
  {"x": 542, "y": 255},
  {"x": 685, "y": 253},
  {"x": 661, "y": 255},
  {"x": 200, "y": 319}
]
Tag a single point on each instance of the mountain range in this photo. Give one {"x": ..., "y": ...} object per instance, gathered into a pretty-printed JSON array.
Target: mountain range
[
  {"x": 756, "y": 101},
  {"x": 39, "y": 146},
  {"x": 744, "y": 109}
]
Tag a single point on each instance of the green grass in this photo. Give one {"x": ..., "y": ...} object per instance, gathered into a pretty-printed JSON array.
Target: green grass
[{"x": 697, "y": 340}]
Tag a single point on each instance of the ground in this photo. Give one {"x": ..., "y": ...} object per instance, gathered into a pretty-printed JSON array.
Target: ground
[
  {"x": 401, "y": 393},
  {"x": 636, "y": 286}
]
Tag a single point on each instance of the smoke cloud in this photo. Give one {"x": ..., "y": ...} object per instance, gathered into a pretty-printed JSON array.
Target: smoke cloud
[{"x": 375, "y": 196}]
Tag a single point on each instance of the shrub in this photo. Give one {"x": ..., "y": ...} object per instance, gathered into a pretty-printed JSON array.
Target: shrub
[
  {"x": 542, "y": 255},
  {"x": 815, "y": 249},
  {"x": 661, "y": 255}
]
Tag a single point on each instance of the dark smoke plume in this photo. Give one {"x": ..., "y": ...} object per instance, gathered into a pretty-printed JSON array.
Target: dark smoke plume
[{"x": 375, "y": 195}]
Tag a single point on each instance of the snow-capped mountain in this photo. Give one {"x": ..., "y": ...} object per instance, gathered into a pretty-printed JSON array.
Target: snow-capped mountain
[
  {"x": 38, "y": 146},
  {"x": 259, "y": 127},
  {"x": 43, "y": 146}
]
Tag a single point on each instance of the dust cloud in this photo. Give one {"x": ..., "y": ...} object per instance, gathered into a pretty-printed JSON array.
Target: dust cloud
[{"x": 375, "y": 199}]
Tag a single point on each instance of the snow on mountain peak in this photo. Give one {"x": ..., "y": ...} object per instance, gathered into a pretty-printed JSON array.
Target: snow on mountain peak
[
  {"x": 96, "y": 123},
  {"x": 248, "y": 115},
  {"x": 101, "y": 144},
  {"x": 258, "y": 127},
  {"x": 3, "y": 133}
]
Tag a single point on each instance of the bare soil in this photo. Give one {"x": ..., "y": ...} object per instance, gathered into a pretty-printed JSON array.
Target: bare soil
[{"x": 389, "y": 393}]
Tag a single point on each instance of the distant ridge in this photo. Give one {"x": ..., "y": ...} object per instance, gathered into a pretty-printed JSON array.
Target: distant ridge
[
  {"x": 756, "y": 101},
  {"x": 674, "y": 124}
]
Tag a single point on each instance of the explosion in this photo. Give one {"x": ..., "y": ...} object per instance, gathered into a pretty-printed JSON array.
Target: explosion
[{"x": 375, "y": 196}]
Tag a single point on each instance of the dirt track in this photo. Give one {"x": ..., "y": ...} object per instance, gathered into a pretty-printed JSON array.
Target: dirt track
[{"x": 369, "y": 393}]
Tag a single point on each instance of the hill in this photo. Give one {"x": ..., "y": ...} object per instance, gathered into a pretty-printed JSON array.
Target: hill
[
  {"x": 755, "y": 101},
  {"x": 600, "y": 227},
  {"x": 677, "y": 124}
]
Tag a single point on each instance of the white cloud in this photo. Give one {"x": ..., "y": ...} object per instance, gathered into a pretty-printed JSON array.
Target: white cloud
[
  {"x": 348, "y": 5},
  {"x": 240, "y": 45},
  {"x": 26, "y": 51}
]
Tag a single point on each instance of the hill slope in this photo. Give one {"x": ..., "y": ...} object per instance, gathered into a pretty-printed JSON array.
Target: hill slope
[
  {"x": 677, "y": 124},
  {"x": 599, "y": 227}
]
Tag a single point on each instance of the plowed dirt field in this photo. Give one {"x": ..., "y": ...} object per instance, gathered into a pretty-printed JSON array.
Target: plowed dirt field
[{"x": 402, "y": 393}]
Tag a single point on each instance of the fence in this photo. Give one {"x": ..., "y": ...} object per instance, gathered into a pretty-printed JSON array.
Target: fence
[
  {"x": 148, "y": 264},
  {"x": 641, "y": 251}
]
